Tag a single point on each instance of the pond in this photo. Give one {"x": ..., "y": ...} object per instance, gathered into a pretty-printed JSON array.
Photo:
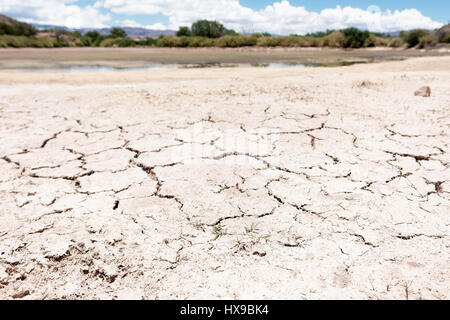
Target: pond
[{"x": 161, "y": 66}]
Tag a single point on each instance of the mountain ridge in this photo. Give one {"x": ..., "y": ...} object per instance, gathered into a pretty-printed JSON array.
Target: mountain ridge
[{"x": 131, "y": 31}]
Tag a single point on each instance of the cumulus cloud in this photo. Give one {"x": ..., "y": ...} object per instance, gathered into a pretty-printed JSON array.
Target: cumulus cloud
[
  {"x": 54, "y": 12},
  {"x": 134, "y": 24},
  {"x": 280, "y": 17}
]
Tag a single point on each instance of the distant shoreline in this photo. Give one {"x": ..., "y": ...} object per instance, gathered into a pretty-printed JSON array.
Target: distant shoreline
[
  {"x": 247, "y": 48},
  {"x": 135, "y": 57}
]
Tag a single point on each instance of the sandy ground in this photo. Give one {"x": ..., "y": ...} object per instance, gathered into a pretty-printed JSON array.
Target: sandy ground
[{"x": 226, "y": 183}]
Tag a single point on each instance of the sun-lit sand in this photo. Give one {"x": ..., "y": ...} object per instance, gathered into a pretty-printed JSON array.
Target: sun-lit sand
[{"x": 226, "y": 183}]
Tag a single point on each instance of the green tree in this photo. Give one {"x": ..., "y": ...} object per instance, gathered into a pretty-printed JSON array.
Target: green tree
[
  {"x": 355, "y": 38},
  {"x": 445, "y": 38},
  {"x": 93, "y": 38},
  {"x": 443, "y": 34},
  {"x": 7, "y": 29},
  {"x": 319, "y": 34},
  {"x": 183, "y": 32},
  {"x": 208, "y": 29},
  {"x": 17, "y": 29},
  {"x": 117, "y": 33},
  {"x": 230, "y": 32},
  {"x": 94, "y": 35},
  {"x": 25, "y": 29}
]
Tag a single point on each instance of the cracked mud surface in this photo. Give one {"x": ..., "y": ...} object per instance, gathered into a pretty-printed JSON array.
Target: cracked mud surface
[{"x": 284, "y": 184}]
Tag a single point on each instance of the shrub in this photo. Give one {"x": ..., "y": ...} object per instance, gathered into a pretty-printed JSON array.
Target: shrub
[
  {"x": 17, "y": 29},
  {"x": 87, "y": 41},
  {"x": 167, "y": 41},
  {"x": 12, "y": 41},
  {"x": 22, "y": 42},
  {"x": 371, "y": 41},
  {"x": 92, "y": 34},
  {"x": 61, "y": 41},
  {"x": 125, "y": 42},
  {"x": 25, "y": 29},
  {"x": 443, "y": 33},
  {"x": 174, "y": 41},
  {"x": 290, "y": 41},
  {"x": 34, "y": 43},
  {"x": 236, "y": 41},
  {"x": 108, "y": 42},
  {"x": 92, "y": 38},
  {"x": 182, "y": 42},
  {"x": 335, "y": 39},
  {"x": 147, "y": 42},
  {"x": 208, "y": 42},
  {"x": 396, "y": 42},
  {"x": 7, "y": 29},
  {"x": 445, "y": 38},
  {"x": 375, "y": 41},
  {"x": 118, "y": 42},
  {"x": 258, "y": 35},
  {"x": 310, "y": 42},
  {"x": 429, "y": 40},
  {"x": 48, "y": 42},
  {"x": 196, "y": 42},
  {"x": 412, "y": 38},
  {"x": 269, "y": 42}
]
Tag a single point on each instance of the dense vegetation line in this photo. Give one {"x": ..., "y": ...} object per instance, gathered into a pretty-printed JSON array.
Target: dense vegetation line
[{"x": 206, "y": 33}]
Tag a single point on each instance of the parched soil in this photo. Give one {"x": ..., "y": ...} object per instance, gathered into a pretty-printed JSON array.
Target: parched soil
[{"x": 231, "y": 183}]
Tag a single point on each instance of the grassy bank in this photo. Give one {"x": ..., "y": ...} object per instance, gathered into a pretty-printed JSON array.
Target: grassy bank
[
  {"x": 335, "y": 39},
  {"x": 9, "y": 41},
  {"x": 204, "y": 34}
]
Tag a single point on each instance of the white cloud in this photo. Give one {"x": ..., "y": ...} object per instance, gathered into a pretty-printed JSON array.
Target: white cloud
[
  {"x": 55, "y": 12},
  {"x": 134, "y": 24},
  {"x": 128, "y": 23},
  {"x": 156, "y": 26},
  {"x": 280, "y": 17}
]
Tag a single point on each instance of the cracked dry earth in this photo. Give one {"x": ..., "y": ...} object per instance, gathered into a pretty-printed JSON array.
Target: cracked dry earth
[{"x": 231, "y": 183}]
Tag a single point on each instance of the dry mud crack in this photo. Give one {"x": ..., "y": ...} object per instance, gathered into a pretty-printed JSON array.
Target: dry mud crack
[{"x": 285, "y": 184}]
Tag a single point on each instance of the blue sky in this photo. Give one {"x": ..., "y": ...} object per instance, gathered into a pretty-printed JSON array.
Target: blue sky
[
  {"x": 276, "y": 16},
  {"x": 436, "y": 9}
]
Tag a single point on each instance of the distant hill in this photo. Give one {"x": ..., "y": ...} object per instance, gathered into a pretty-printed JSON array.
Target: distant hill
[
  {"x": 14, "y": 27},
  {"x": 7, "y": 20},
  {"x": 131, "y": 32},
  {"x": 393, "y": 33},
  {"x": 443, "y": 32},
  {"x": 135, "y": 32}
]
